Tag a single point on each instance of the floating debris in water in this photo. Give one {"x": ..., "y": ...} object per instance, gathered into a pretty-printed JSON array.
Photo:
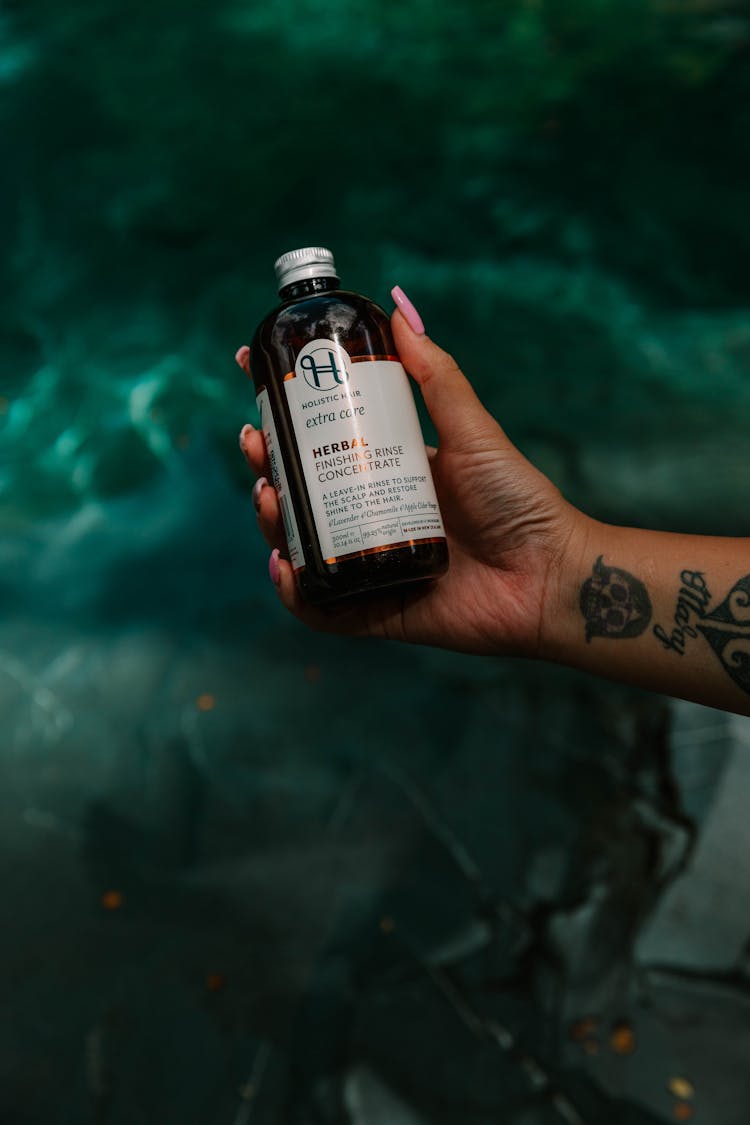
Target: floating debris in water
[
  {"x": 387, "y": 925},
  {"x": 205, "y": 702},
  {"x": 583, "y": 1029},
  {"x": 682, "y": 1088},
  {"x": 112, "y": 900},
  {"x": 683, "y": 1111},
  {"x": 622, "y": 1038},
  {"x": 215, "y": 982}
]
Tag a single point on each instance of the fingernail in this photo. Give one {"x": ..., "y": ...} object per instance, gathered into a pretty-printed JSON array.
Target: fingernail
[
  {"x": 273, "y": 566},
  {"x": 242, "y": 357},
  {"x": 412, "y": 317},
  {"x": 245, "y": 432},
  {"x": 260, "y": 484}
]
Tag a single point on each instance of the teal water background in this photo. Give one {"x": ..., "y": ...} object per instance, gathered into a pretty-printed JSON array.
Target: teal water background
[{"x": 338, "y": 869}]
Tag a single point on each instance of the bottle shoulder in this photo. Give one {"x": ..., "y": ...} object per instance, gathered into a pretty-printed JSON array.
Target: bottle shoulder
[
  {"x": 354, "y": 321},
  {"x": 337, "y": 307}
]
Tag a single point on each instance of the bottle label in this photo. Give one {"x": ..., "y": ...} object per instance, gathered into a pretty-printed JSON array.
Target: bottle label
[
  {"x": 279, "y": 481},
  {"x": 362, "y": 451}
]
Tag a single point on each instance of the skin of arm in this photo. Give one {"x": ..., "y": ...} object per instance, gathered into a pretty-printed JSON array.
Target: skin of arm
[
  {"x": 658, "y": 610},
  {"x": 532, "y": 576}
]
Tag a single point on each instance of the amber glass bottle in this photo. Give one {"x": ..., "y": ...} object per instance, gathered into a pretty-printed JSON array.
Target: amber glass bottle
[{"x": 347, "y": 456}]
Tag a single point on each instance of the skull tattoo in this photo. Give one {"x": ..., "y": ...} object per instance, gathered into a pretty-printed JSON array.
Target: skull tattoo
[{"x": 614, "y": 603}]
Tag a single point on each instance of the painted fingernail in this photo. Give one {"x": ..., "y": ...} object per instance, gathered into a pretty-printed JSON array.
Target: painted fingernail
[
  {"x": 242, "y": 357},
  {"x": 412, "y": 317},
  {"x": 273, "y": 566},
  {"x": 260, "y": 484},
  {"x": 245, "y": 432}
]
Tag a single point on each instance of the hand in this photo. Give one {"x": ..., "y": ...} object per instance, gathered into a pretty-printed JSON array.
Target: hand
[{"x": 508, "y": 528}]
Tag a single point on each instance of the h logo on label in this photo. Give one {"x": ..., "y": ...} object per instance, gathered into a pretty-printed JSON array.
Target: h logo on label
[{"x": 324, "y": 368}]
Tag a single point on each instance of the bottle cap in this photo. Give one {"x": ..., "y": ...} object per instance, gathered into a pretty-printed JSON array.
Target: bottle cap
[{"x": 311, "y": 261}]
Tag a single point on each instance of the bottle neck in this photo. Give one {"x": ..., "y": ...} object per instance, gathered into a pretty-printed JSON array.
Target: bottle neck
[{"x": 307, "y": 287}]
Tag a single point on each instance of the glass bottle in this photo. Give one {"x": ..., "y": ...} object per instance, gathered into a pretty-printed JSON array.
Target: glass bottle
[{"x": 347, "y": 456}]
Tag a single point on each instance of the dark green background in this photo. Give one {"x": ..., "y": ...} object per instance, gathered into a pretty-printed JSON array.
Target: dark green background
[{"x": 362, "y": 885}]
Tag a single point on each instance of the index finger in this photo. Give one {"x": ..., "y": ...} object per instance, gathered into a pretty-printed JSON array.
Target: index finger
[{"x": 251, "y": 440}]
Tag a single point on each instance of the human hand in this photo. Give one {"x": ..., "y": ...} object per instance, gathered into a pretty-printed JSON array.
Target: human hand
[{"x": 508, "y": 527}]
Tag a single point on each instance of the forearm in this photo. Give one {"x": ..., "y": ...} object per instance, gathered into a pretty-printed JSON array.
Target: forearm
[{"x": 666, "y": 612}]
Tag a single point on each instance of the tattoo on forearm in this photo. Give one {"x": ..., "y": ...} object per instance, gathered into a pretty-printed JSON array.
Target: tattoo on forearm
[
  {"x": 614, "y": 603},
  {"x": 726, "y": 628},
  {"x": 693, "y": 598}
]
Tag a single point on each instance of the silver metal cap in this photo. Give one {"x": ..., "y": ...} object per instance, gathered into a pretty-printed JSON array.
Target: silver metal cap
[{"x": 310, "y": 261}]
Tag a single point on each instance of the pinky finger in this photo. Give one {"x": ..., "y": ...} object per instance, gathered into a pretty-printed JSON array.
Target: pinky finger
[
  {"x": 343, "y": 619},
  {"x": 283, "y": 579}
]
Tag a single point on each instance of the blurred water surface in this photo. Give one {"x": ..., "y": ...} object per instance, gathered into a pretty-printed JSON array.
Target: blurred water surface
[{"x": 258, "y": 876}]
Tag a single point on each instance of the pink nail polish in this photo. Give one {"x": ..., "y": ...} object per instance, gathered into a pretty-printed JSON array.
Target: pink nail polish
[
  {"x": 412, "y": 317},
  {"x": 260, "y": 484},
  {"x": 245, "y": 432},
  {"x": 242, "y": 357},
  {"x": 273, "y": 566}
]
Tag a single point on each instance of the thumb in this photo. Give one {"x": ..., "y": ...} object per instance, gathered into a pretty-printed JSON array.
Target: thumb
[{"x": 459, "y": 417}]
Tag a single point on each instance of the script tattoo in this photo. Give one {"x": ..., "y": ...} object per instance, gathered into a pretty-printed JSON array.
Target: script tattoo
[
  {"x": 726, "y": 628},
  {"x": 693, "y": 598},
  {"x": 614, "y": 603}
]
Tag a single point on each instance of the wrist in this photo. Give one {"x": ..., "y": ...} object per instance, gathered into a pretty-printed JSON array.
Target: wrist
[{"x": 560, "y": 624}]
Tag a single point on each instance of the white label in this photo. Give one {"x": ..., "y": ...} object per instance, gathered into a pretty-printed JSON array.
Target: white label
[
  {"x": 362, "y": 451},
  {"x": 279, "y": 481}
]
